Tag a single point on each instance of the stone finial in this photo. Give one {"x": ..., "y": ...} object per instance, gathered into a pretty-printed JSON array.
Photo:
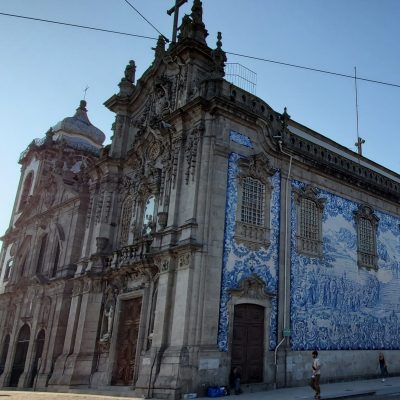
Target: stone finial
[
  {"x": 219, "y": 58},
  {"x": 159, "y": 50},
  {"x": 285, "y": 118},
  {"x": 130, "y": 71},
  {"x": 219, "y": 42}
]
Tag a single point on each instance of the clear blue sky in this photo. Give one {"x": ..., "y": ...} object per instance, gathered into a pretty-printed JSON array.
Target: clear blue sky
[{"x": 44, "y": 68}]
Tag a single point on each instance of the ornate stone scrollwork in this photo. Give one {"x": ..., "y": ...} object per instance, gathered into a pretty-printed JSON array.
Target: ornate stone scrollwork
[
  {"x": 77, "y": 288},
  {"x": 258, "y": 167},
  {"x": 163, "y": 263},
  {"x": 191, "y": 147},
  {"x": 252, "y": 287},
  {"x": 184, "y": 261}
]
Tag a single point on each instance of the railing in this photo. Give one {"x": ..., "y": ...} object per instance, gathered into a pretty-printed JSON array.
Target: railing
[{"x": 241, "y": 77}]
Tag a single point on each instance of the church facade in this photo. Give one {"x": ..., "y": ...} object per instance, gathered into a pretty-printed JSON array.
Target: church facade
[{"x": 212, "y": 232}]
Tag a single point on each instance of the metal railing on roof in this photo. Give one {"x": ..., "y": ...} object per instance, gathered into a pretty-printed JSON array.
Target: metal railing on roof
[{"x": 241, "y": 77}]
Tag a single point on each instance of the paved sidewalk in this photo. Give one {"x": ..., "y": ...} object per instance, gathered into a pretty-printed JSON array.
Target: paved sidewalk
[{"x": 341, "y": 390}]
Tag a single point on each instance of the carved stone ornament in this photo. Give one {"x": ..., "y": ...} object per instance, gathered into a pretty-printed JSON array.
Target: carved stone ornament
[
  {"x": 253, "y": 288},
  {"x": 162, "y": 263},
  {"x": 310, "y": 193},
  {"x": 77, "y": 289},
  {"x": 184, "y": 261},
  {"x": 257, "y": 166},
  {"x": 191, "y": 147}
]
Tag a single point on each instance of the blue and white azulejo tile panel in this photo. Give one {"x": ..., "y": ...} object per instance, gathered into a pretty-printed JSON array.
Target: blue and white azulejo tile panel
[
  {"x": 240, "y": 263},
  {"x": 335, "y": 305},
  {"x": 240, "y": 138}
]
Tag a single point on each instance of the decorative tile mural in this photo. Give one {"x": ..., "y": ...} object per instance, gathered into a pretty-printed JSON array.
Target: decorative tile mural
[
  {"x": 334, "y": 303},
  {"x": 240, "y": 263},
  {"x": 240, "y": 138}
]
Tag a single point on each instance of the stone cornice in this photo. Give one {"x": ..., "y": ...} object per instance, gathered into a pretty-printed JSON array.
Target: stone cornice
[{"x": 341, "y": 167}]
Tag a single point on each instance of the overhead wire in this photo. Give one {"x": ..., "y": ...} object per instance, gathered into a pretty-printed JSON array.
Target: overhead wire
[
  {"x": 313, "y": 69},
  {"x": 359, "y": 78},
  {"x": 134, "y": 8},
  {"x": 77, "y": 26}
]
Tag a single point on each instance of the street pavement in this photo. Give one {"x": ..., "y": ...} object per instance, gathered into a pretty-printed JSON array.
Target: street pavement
[{"x": 388, "y": 390}]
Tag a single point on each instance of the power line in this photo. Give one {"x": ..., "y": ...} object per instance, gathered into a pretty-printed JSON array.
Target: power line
[
  {"x": 77, "y": 26},
  {"x": 227, "y": 52},
  {"x": 165, "y": 38},
  {"x": 314, "y": 69}
]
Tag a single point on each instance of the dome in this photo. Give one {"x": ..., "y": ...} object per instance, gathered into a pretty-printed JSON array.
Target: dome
[{"x": 79, "y": 128}]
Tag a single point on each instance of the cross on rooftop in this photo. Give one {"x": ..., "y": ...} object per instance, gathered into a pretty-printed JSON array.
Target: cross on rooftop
[
  {"x": 359, "y": 144},
  {"x": 175, "y": 10},
  {"x": 85, "y": 90}
]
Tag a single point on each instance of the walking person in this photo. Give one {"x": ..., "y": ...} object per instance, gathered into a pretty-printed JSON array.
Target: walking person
[
  {"x": 316, "y": 375},
  {"x": 383, "y": 367}
]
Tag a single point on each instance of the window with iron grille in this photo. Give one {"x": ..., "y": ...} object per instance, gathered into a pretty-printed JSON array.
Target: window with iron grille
[
  {"x": 126, "y": 216},
  {"x": 309, "y": 221},
  {"x": 253, "y": 202},
  {"x": 367, "y": 227}
]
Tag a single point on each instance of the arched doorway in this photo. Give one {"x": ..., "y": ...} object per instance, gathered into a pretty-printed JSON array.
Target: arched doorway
[
  {"x": 38, "y": 354},
  {"x": 4, "y": 353},
  {"x": 20, "y": 355},
  {"x": 128, "y": 331},
  {"x": 248, "y": 342}
]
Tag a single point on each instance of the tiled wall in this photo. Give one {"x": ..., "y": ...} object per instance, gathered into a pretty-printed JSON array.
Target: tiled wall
[
  {"x": 334, "y": 303},
  {"x": 240, "y": 263}
]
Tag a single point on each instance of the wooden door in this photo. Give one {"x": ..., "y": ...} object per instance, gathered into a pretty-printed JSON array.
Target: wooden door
[
  {"x": 248, "y": 342},
  {"x": 128, "y": 329}
]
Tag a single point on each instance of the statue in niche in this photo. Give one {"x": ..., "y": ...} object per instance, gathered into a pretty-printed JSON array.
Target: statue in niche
[
  {"x": 161, "y": 103},
  {"x": 108, "y": 317}
]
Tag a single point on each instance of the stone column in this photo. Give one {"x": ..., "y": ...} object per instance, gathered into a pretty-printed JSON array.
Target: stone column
[
  {"x": 70, "y": 333},
  {"x": 55, "y": 332},
  {"x": 79, "y": 363}
]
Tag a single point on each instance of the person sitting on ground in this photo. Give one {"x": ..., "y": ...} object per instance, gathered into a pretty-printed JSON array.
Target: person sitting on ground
[{"x": 234, "y": 380}]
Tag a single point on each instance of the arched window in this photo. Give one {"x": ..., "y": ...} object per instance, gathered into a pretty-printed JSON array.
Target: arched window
[
  {"x": 25, "y": 191},
  {"x": 56, "y": 260},
  {"x": 149, "y": 212},
  {"x": 38, "y": 350},
  {"x": 43, "y": 243},
  {"x": 126, "y": 216},
  {"x": 8, "y": 270},
  {"x": 20, "y": 355},
  {"x": 23, "y": 265}
]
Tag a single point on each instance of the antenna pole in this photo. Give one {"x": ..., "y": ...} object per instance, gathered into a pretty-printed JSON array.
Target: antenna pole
[{"x": 360, "y": 141}]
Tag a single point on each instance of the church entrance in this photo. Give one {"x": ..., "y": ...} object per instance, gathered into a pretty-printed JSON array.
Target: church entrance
[
  {"x": 128, "y": 329},
  {"x": 20, "y": 355},
  {"x": 38, "y": 354},
  {"x": 248, "y": 342}
]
